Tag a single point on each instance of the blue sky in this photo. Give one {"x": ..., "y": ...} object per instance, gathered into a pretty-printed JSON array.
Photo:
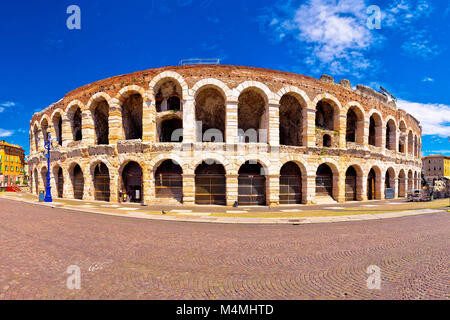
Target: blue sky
[{"x": 42, "y": 60}]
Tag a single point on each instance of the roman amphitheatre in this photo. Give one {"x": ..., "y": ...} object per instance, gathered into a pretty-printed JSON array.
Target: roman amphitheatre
[{"x": 225, "y": 135}]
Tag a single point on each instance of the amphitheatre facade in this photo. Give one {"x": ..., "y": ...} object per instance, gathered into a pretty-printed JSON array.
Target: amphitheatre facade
[{"x": 217, "y": 135}]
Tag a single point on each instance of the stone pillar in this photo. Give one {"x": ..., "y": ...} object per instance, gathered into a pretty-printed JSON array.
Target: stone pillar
[
  {"x": 361, "y": 136},
  {"x": 189, "y": 189},
  {"x": 379, "y": 187},
  {"x": 115, "y": 122},
  {"x": 361, "y": 191},
  {"x": 273, "y": 128},
  {"x": 231, "y": 123},
  {"x": 88, "y": 129},
  {"x": 396, "y": 186},
  {"x": 339, "y": 186},
  {"x": 89, "y": 189},
  {"x": 308, "y": 188},
  {"x": 273, "y": 190},
  {"x": 232, "y": 189},
  {"x": 189, "y": 125},
  {"x": 342, "y": 131},
  {"x": 51, "y": 130},
  {"x": 311, "y": 128},
  {"x": 366, "y": 133},
  {"x": 67, "y": 136},
  {"x": 113, "y": 185},
  {"x": 146, "y": 185},
  {"x": 148, "y": 120},
  {"x": 68, "y": 186},
  {"x": 53, "y": 182}
]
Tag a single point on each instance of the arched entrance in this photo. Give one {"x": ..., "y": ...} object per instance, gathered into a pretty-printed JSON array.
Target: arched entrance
[
  {"x": 102, "y": 182},
  {"x": 132, "y": 117},
  {"x": 389, "y": 184},
  {"x": 251, "y": 185},
  {"x": 350, "y": 184},
  {"x": 324, "y": 181},
  {"x": 290, "y": 184},
  {"x": 77, "y": 182},
  {"x": 169, "y": 181},
  {"x": 210, "y": 184},
  {"x": 132, "y": 182},
  {"x": 371, "y": 185},
  {"x": 59, "y": 182}
]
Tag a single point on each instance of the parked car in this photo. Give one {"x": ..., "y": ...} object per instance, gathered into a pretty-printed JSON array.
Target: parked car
[{"x": 418, "y": 196}]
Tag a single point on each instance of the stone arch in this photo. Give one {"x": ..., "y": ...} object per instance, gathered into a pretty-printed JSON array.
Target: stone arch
[
  {"x": 251, "y": 184},
  {"x": 57, "y": 120},
  {"x": 45, "y": 126},
  {"x": 101, "y": 179},
  {"x": 265, "y": 91},
  {"x": 391, "y": 134},
  {"x": 169, "y": 180},
  {"x": 402, "y": 138},
  {"x": 99, "y": 109},
  {"x": 131, "y": 100},
  {"x": 327, "y": 119},
  {"x": 77, "y": 178},
  {"x": 74, "y": 114},
  {"x": 355, "y": 122},
  {"x": 374, "y": 183},
  {"x": 210, "y": 110},
  {"x": 291, "y": 187},
  {"x": 169, "y": 75},
  {"x": 253, "y": 110},
  {"x": 212, "y": 83},
  {"x": 375, "y": 129},
  {"x": 354, "y": 183},
  {"x": 410, "y": 143},
  {"x": 58, "y": 175},
  {"x": 327, "y": 178},
  {"x": 131, "y": 180},
  {"x": 210, "y": 183},
  {"x": 293, "y": 119}
]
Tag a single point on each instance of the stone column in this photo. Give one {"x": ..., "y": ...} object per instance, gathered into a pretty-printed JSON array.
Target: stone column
[
  {"x": 89, "y": 189},
  {"x": 231, "y": 123},
  {"x": 88, "y": 129},
  {"x": 113, "y": 185},
  {"x": 146, "y": 185},
  {"x": 273, "y": 190},
  {"x": 232, "y": 189},
  {"x": 396, "y": 186},
  {"x": 308, "y": 188},
  {"x": 339, "y": 184},
  {"x": 67, "y": 136},
  {"x": 189, "y": 125},
  {"x": 115, "y": 122},
  {"x": 149, "y": 120},
  {"x": 273, "y": 128},
  {"x": 189, "y": 189},
  {"x": 68, "y": 186},
  {"x": 342, "y": 131},
  {"x": 311, "y": 128},
  {"x": 379, "y": 187}
]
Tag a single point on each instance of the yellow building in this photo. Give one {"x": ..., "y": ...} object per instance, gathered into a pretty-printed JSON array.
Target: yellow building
[
  {"x": 12, "y": 158},
  {"x": 436, "y": 167}
]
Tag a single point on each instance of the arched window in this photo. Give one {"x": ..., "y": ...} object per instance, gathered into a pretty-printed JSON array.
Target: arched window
[
  {"x": 251, "y": 117},
  {"x": 100, "y": 113},
  {"x": 210, "y": 113},
  {"x": 291, "y": 121},
  {"x": 132, "y": 117}
]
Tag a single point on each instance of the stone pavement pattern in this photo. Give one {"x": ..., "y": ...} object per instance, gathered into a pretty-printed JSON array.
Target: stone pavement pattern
[{"x": 141, "y": 259}]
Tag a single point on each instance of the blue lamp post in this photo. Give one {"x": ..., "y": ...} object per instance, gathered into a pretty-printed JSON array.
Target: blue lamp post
[{"x": 48, "y": 145}]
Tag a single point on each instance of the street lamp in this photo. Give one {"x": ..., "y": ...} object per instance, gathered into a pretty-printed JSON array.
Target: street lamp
[{"x": 48, "y": 145}]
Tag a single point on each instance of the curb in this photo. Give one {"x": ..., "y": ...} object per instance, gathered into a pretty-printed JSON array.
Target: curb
[{"x": 241, "y": 220}]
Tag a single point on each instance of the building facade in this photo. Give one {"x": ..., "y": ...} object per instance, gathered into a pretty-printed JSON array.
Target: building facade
[
  {"x": 12, "y": 159},
  {"x": 217, "y": 135},
  {"x": 436, "y": 167}
]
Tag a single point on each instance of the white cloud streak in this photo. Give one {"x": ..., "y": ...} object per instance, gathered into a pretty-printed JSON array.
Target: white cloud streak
[
  {"x": 434, "y": 118},
  {"x": 6, "y": 133}
]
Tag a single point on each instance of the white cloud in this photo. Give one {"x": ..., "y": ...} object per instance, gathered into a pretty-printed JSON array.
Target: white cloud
[
  {"x": 8, "y": 104},
  {"x": 6, "y": 133},
  {"x": 334, "y": 33},
  {"x": 420, "y": 45},
  {"x": 434, "y": 118},
  {"x": 428, "y": 79}
]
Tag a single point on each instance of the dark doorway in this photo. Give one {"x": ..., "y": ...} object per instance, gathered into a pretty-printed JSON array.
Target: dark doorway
[
  {"x": 102, "y": 183},
  {"x": 210, "y": 184},
  {"x": 60, "y": 183},
  {"x": 371, "y": 185},
  {"x": 324, "y": 181},
  {"x": 132, "y": 182},
  {"x": 168, "y": 128},
  {"x": 101, "y": 118},
  {"x": 251, "y": 185},
  {"x": 169, "y": 181},
  {"x": 132, "y": 117},
  {"x": 290, "y": 184},
  {"x": 350, "y": 184},
  {"x": 78, "y": 182}
]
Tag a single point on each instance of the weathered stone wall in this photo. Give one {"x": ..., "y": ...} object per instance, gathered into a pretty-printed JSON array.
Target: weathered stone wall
[{"x": 258, "y": 94}]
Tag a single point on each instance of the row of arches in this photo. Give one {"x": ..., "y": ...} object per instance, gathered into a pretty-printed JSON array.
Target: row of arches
[
  {"x": 210, "y": 107},
  {"x": 211, "y": 182}
]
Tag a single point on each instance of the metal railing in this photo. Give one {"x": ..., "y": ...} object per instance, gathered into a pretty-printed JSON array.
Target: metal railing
[{"x": 193, "y": 62}]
